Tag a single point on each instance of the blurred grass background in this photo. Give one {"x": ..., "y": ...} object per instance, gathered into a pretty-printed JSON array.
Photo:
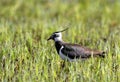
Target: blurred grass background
[{"x": 26, "y": 56}]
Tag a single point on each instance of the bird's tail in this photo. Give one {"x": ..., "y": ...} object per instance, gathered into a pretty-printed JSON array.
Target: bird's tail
[{"x": 102, "y": 54}]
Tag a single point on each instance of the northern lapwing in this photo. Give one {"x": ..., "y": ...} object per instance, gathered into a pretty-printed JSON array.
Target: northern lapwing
[{"x": 72, "y": 52}]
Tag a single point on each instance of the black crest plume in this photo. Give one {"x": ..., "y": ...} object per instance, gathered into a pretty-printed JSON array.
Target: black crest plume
[{"x": 63, "y": 30}]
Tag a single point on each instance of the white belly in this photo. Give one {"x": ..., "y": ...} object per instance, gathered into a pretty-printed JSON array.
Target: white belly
[{"x": 64, "y": 57}]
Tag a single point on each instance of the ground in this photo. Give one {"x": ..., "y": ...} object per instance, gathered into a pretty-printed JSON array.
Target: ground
[{"x": 25, "y": 26}]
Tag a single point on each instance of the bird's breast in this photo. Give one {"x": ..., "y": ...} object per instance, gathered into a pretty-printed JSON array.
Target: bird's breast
[{"x": 61, "y": 54}]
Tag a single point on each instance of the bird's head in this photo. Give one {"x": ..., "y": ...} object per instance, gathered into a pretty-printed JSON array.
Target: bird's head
[{"x": 57, "y": 36}]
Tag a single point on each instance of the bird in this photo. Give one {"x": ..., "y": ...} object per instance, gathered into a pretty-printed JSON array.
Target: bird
[{"x": 72, "y": 52}]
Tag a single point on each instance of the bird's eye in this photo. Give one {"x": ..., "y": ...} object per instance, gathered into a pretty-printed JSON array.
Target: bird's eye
[{"x": 55, "y": 35}]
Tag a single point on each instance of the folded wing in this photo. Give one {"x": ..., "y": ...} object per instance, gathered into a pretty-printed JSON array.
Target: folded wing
[{"x": 77, "y": 51}]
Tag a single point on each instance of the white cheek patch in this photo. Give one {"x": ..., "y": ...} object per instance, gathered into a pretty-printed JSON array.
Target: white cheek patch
[{"x": 59, "y": 38}]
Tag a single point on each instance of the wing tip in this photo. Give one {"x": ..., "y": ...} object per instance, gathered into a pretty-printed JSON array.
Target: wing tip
[{"x": 102, "y": 54}]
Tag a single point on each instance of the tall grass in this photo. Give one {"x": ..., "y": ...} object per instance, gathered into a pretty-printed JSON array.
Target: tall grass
[{"x": 26, "y": 56}]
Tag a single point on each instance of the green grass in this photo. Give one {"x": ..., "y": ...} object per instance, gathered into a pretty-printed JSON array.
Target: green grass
[{"x": 26, "y": 56}]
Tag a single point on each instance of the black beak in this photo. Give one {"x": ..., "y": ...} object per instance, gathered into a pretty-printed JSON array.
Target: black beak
[
  {"x": 49, "y": 38},
  {"x": 52, "y": 37}
]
